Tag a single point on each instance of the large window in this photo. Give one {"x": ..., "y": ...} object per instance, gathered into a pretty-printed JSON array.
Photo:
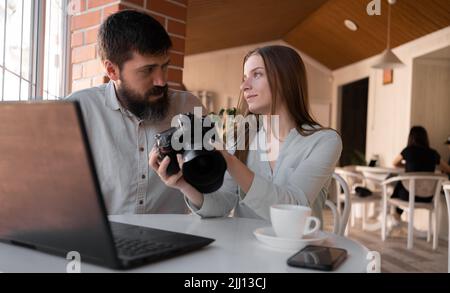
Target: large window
[{"x": 33, "y": 38}]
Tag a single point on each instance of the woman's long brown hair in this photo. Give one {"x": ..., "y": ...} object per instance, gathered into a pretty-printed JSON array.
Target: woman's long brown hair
[
  {"x": 286, "y": 75},
  {"x": 418, "y": 136}
]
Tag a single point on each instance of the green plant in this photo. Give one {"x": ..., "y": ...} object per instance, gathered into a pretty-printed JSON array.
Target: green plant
[
  {"x": 357, "y": 158},
  {"x": 230, "y": 111}
]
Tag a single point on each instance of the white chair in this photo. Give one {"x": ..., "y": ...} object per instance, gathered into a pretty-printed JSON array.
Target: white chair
[
  {"x": 446, "y": 186},
  {"x": 340, "y": 219},
  {"x": 353, "y": 180},
  {"x": 421, "y": 184}
]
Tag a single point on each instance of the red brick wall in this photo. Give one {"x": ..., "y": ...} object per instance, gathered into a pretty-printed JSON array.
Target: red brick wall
[{"x": 86, "y": 69}]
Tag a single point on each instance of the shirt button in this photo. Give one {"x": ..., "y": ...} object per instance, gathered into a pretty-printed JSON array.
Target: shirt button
[
  {"x": 143, "y": 176},
  {"x": 141, "y": 149}
]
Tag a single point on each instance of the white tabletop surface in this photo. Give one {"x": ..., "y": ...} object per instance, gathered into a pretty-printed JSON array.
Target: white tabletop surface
[
  {"x": 235, "y": 249},
  {"x": 378, "y": 174},
  {"x": 380, "y": 169}
]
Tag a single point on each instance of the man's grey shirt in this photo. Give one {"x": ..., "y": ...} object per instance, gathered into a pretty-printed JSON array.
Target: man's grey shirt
[{"x": 120, "y": 143}]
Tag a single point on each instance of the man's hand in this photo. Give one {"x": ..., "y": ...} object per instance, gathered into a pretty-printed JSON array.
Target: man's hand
[{"x": 175, "y": 181}]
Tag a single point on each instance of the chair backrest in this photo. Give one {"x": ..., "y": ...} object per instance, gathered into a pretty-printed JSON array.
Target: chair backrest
[
  {"x": 423, "y": 187},
  {"x": 340, "y": 221},
  {"x": 446, "y": 186},
  {"x": 424, "y": 184},
  {"x": 351, "y": 178}
]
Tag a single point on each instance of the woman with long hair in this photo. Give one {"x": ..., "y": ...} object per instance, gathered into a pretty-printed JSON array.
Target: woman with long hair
[
  {"x": 288, "y": 159},
  {"x": 417, "y": 157}
]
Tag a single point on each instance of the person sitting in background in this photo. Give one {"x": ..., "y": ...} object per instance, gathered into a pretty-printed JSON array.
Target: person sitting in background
[{"x": 417, "y": 157}]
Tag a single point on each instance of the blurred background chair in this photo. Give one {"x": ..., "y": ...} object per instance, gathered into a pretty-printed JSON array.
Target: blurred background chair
[
  {"x": 446, "y": 186},
  {"x": 354, "y": 180},
  {"x": 340, "y": 218},
  {"x": 421, "y": 184}
]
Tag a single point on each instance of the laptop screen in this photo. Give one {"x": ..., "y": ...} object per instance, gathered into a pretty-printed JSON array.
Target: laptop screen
[{"x": 49, "y": 194}]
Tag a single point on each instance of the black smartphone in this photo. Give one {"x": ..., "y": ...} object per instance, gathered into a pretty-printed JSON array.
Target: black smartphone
[{"x": 318, "y": 257}]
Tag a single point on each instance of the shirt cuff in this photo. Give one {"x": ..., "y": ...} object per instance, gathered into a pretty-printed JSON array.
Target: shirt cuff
[{"x": 205, "y": 210}]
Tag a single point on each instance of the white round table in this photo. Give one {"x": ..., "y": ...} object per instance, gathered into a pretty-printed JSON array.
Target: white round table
[
  {"x": 378, "y": 174},
  {"x": 235, "y": 249}
]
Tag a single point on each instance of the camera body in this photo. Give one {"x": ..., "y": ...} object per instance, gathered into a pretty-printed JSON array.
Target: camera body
[
  {"x": 164, "y": 146},
  {"x": 203, "y": 166}
]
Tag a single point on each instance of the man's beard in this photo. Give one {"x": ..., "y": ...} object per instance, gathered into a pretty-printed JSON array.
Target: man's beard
[{"x": 153, "y": 111}]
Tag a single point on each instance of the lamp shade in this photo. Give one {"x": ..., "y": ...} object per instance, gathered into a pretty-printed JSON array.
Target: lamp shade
[{"x": 388, "y": 60}]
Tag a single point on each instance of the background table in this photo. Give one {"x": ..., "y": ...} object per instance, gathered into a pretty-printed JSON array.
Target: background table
[
  {"x": 374, "y": 176},
  {"x": 378, "y": 174},
  {"x": 235, "y": 250}
]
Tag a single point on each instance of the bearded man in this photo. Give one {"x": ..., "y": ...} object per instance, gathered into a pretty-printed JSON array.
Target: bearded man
[{"x": 123, "y": 116}]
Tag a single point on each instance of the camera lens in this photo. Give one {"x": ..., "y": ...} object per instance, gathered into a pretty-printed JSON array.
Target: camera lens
[
  {"x": 200, "y": 164},
  {"x": 204, "y": 169}
]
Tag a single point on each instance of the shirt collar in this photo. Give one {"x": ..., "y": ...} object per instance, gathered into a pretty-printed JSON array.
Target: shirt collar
[
  {"x": 113, "y": 102},
  {"x": 292, "y": 132}
]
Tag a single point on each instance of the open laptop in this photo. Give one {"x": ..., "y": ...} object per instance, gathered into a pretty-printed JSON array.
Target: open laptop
[{"x": 50, "y": 197}]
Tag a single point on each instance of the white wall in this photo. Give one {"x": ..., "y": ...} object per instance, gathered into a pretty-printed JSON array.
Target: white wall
[
  {"x": 431, "y": 100},
  {"x": 221, "y": 72},
  {"x": 389, "y": 110}
]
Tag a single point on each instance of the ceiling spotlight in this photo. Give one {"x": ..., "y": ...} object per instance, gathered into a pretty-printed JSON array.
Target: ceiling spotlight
[{"x": 351, "y": 25}]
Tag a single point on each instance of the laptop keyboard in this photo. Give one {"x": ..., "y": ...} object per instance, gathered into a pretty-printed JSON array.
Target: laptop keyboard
[{"x": 136, "y": 247}]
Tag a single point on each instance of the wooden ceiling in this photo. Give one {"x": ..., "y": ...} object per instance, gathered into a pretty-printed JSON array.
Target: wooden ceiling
[
  {"x": 315, "y": 27},
  {"x": 324, "y": 36},
  {"x": 219, "y": 24}
]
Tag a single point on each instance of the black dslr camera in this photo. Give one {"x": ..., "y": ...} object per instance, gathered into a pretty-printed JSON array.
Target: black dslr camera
[{"x": 203, "y": 166}]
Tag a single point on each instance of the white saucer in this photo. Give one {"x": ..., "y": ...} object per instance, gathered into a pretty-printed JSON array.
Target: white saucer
[{"x": 267, "y": 236}]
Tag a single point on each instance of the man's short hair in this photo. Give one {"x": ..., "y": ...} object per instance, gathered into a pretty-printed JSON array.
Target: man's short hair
[{"x": 130, "y": 31}]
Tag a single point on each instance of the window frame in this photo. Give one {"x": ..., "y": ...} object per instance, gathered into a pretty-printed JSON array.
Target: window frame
[
  {"x": 3, "y": 67},
  {"x": 37, "y": 51}
]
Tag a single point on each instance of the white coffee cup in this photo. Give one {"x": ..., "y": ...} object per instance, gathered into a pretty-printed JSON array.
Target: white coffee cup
[{"x": 293, "y": 221}]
